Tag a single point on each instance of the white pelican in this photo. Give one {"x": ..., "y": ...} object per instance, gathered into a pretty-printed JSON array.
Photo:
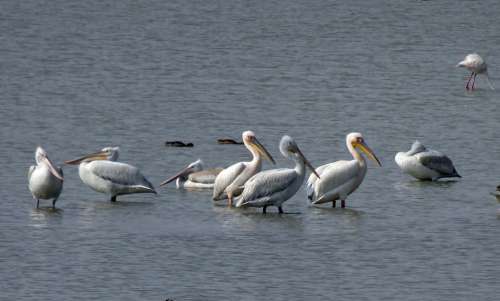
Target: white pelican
[
  {"x": 339, "y": 179},
  {"x": 474, "y": 63},
  {"x": 425, "y": 164},
  {"x": 194, "y": 176},
  {"x": 273, "y": 187},
  {"x": 229, "y": 182},
  {"x": 45, "y": 180},
  {"x": 100, "y": 172}
]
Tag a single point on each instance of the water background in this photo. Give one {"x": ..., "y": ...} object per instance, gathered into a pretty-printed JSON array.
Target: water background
[{"x": 76, "y": 76}]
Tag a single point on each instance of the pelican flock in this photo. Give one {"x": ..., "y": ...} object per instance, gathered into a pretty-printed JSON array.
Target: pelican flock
[
  {"x": 194, "y": 176},
  {"x": 101, "y": 173},
  {"x": 425, "y": 164},
  {"x": 273, "y": 187},
  {"x": 45, "y": 180},
  {"x": 339, "y": 179},
  {"x": 475, "y": 63},
  {"x": 229, "y": 182}
]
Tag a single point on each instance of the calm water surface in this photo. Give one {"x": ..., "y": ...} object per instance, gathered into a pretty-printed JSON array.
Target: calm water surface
[{"x": 76, "y": 76}]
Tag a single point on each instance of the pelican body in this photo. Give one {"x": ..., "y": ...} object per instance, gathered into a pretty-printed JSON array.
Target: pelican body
[
  {"x": 341, "y": 178},
  {"x": 229, "y": 182},
  {"x": 475, "y": 63},
  {"x": 425, "y": 164},
  {"x": 45, "y": 180},
  {"x": 195, "y": 176},
  {"x": 274, "y": 187},
  {"x": 101, "y": 173}
]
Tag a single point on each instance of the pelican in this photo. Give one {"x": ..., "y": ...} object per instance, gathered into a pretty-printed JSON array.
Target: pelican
[
  {"x": 194, "y": 176},
  {"x": 339, "y": 179},
  {"x": 45, "y": 180},
  {"x": 274, "y": 187},
  {"x": 229, "y": 182},
  {"x": 425, "y": 164},
  {"x": 101, "y": 173},
  {"x": 474, "y": 63}
]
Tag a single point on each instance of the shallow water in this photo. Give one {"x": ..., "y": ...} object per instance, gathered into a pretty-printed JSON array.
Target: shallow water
[{"x": 80, "y": 75}]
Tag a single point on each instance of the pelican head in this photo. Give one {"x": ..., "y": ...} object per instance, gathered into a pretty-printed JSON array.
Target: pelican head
[
  {"x": 41, "y": 158},
  {"x": 358, "y": 142},
  {"x": 191, "y": 168},
  {"x": 109, "y": 153},
  {"x": 290, "y": 149},
  {"x": 253, "y": 144}
]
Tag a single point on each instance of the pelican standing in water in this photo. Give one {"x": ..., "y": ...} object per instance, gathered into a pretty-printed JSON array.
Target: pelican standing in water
[
  {"x": 101, "y": 173},
  {"x": 425, "y": 164},
  {"x": 474, "y": 63},
  {"x": 230, "y": 181},
  {"x": 339, "y": 179},
  {"x": 274, "y": 187},
  {"x": 45, "y": 180},
  {"x": 194, "y": 176}
]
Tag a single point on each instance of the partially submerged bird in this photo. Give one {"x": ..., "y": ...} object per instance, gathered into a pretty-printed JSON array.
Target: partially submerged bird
[
  {"x": 475, "y": 63},
  {"x": 274, "y": 187},
  {"x": 101, "y": 173},
  {"x": 45, "y": 179},
  {"x": 339, "y": 179},
  {"x": 177, "y": 143},
  {"x": 194, "y": 176},
  {"x": 228, "y": 141},
  {"x": 230, "y": 181},
  {"x": 425, "y": 164}
]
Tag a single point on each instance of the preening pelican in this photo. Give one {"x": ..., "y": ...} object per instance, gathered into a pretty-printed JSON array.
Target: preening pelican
[
  {"x": 273, "y": 187},
  {"x": 101, "y": 173},
  {"x": 425, "y": 164},
  {"x": 45, "y": 180},
  {"x": 194, "y": 176},
  {"x": 339, "y": 179},
  {"x": 474, "y": 63},
  {"x": 230, "y": 181}
]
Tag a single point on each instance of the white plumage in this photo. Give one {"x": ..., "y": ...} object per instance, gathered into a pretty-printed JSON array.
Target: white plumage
[
  {"x": 339, "y": 179},
  {"x": 229, "y": 182},
  {"x": 102, "y": 174},
  {"x": 45, "y": 180},
  {"x": 475, "y": 63},
  {"x": 425, "y": 164},
  {"x": 274, "y": 187},
  {"x": 194, "y": 176}
]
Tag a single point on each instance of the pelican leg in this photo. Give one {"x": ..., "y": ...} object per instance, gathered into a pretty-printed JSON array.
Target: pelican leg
[
  {"x": 37, "y": 203},
  {"x": 467, "y": 85},
  {"x": 230, "y": 199},
  {"x": 334, "y": 203},
  {"x": 264, "y": 209},
  {"x": 54, "y": 203},
  {"x": 342, "y": 203},
  {"x": 474, "y": 81},
  {"x": 113, "y": 199},
  {"x": 280, "y": 210}
]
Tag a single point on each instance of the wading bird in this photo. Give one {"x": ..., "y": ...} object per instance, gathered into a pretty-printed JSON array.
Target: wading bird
[
  {"x": 474, "y": 63},
  {"x": 194, "y": 176},
  {"x": 230, "y": 181},
  {"x": 45, "y": 180},
  {"x": 273, "y": 187},
  {"x": 101, "y": 173},
  {"x": 425, "y": 164},
  {"x": 339, "y": 179}
]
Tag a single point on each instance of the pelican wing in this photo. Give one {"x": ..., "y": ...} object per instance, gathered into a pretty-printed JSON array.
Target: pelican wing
[
  {"x": 313, "y": 178},
  {"x": 437, "y": 161},
  {"x": 337, "y": 178},
  {"x": 30, "y": 172},
  {"x": 120, "y": 173},
  {"x": 261, "y": 187},
  {"x": 205, "y": 176},
  {"x": 225, "y": 178}
]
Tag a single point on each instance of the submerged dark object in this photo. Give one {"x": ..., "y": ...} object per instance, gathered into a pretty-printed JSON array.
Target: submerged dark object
[
  {"x": 228, "y": 141},
  {"x": 178, "y": 144}
]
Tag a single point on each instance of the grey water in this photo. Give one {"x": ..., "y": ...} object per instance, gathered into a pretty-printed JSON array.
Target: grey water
[{"x": 76, "y": 76}]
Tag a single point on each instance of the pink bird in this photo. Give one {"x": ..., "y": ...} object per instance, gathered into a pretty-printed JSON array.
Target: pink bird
[{"x": 474, "y": 63}]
